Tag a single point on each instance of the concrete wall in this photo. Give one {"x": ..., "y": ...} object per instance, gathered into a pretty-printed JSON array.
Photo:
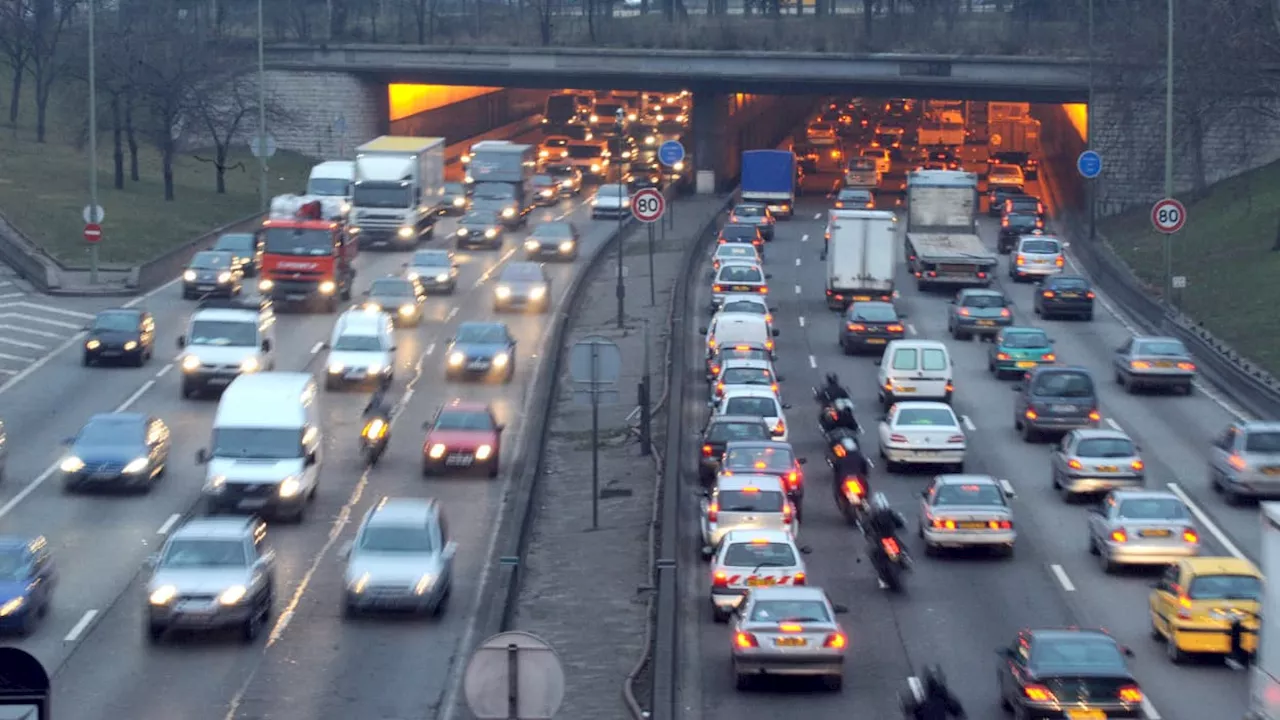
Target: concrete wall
[{"x": 722, "y": 129}]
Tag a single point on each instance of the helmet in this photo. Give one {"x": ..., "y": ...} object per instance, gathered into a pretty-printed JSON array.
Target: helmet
[
  {"x": 880, "y": 501},
  {"x": 832, "y": 379}
]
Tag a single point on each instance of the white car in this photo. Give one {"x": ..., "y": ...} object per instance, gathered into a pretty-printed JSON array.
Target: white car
[
  {"x": 748, "y": 559},
  {"x": 745, "y": 374},
  {"x": 361, "y": 350},
  {"x": 921, "y": 433},
  {"x": 736, "y": 279},
  {"x": 752, "y": 304},
  {"x": 760, "y": 402},
  {"x": 734, "y": 253},
  {"x": 967, "y": 511}
]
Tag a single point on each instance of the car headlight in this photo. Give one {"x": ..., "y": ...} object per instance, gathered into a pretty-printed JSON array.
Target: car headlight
[
  {"x": 374, "y": 368},
  {"x": 595, "y": 167},
  {"x": 508, "y": 212},
  {"x": 405, "y": 232},
  {"x": 346, "y": 208},
  {"x": 372, "y": 307},
  {"x": 592, "y": 202},
  {"x": 216, "y": 484},
  {"x": 92, "y": 345},
  {"x": 566, "y": 184},
  {"x": 655, "y": 179},
  {"x": 442, "y": 277},
  {"x": 501, "y": 359},
  {"x": 459, "y": 202},
  {"x": 136, "y": 465},
  {"x": 290, "y": 487},
  {"x": 224, "y": 277},
  {"x": 456, "y": 359},
  {"x": 12, "y": 606},
  {"x": 491, "y": 233},
  {"x": 595, "y": 118},
  {"x": 483, "y": 452},
  {"x": 189, "y": 276},
  {"x": 249, "y": 364},
  {"x": 566, "y": 246},
  {"x": 129, "y": 345},
  {"x": 360, "y": 584},
  {"x": 424, "y": 584},
  {"x": 548, "y": 193},
  {"x": 436, "y": 452},
  {"x": 530, "y": 244},
  {"x": 649, "y": 140},
  {"x": 406, "y": 310},
  {"x": 233, "y": 595},
  {"x": 264, "y": 285},
  {"x": 464, "y": 232},
  {"x": 626, "y": 203},
  {"x": 72, "y": 464},
  {"x": 190, "y": 363},
  {"x": 503, "y": 292},
  {"x": 335, "y": 368},
  {"x": 543, "y": 153},
  {"x": 537, "y": 293},
  {"x": 658, "y": 118},
  {"x": 327, "y": 287},
  {"x": 678, "y": 166},
  {"x": 163, "y": 595}
]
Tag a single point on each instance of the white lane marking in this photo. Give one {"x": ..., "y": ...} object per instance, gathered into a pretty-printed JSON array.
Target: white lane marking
[
  {"x": 8, "y": 372},
  {"x": 148, "y": 295},
  {"x": 19, "y": 358},
  {"x": 317, "y": 348},
  {"x": 1111, "y": 423},
  {"x": 136, "y": 394},
  {"x": 911, "y": 329},
  {"x": 1149, "y": 709},
  {"x": 489, "y": 273},
  {"x": 453, "y": 312},
  {"x": 29, "y": 331},
  {"x": 1205, "y": 521},
  {"x": 30, "y": 488},
  {"x": 164, "y": 370},
  {"x": 33, "y": 346},
  {"x": 797, "y": 289},
  {"x": 431, "y": 348},
  {"x": 917, "y": 688},
  {"x": 7, "y": 296},
  {"x": 81, "y": 625},
  {"x": 813, "y": 362},
  {"x": 168, "y": 524},
  {"x": 797, "y": 262},
  {"x": 883, "y": 585},
  {"x": 804, "y": 238},
  {"x": 817, "y": 216},
  {"x": 43, "y": 321},
  {"x": 968, "y": 424},
  {"x": 74, "y": 339},
  {"x": 58, "y": 311},
  {"x": 1063, "y": 580},
  {"x": 801, "y": 321},
  {"x": 408, "y": 394}
]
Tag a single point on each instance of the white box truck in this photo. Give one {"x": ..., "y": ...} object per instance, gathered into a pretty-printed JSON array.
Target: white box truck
[
  {"x": 943, "y": 248},
  {"x": 329, "y": 184},
  {"x": 861, "y": 256},
  {"x": 1264, "y": 680},
  {"x": 398, "y": 189}
]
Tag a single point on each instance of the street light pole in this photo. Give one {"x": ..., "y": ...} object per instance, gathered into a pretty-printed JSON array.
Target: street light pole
[
  {"x": 1168, "y": 152},
  {"x": 1091, "y": 184},
  {"x": 93, "y": 142},
  {"x": 262, "y": 113},
  {"x": 622, "y": 288}
]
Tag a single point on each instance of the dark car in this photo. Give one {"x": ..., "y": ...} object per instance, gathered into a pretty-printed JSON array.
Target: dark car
[
  {"x": 122, "y": 334},
  {"x": 27, "y": 580},
  {"x": 464, "y": 436},
  {"x": 499, "y": 198},
  {"x": 870, "y": 326},
  {"x": 1013, "y": 226},
  {"x": 245, "y": 248},
  {"x": 1025, "y": 204},
  {"x": 645, "y": 174},
  {"x": 737, "y": 233},
  {"x": 756, "y": 214},
  {"x": 211, "y": 274},
  {"x": 399, "y": 297},
  {"x": 479, "y": 228},
  {"x": 1055, "y": 399},
  {"x": 855, "y": 199},
  {"x": 577, "y": 131},
  {"x": 997, "y": 195},
  {"x": 647, "y": 136},
  {"x": 454, "y": 200},
  {"x": 721, "y": 430},
  {"x": 1066, "y": 673},
  {"x": 522, "y": 285},
  {"x": 1064, "y": 295},
  {"x": 941, "y": 156},
  {"x": 767, "y": 457},
  {"x": 546, "y": 190},
  {"x": 480, "y": 350},
  {"x": 116, "y": 449},
  {"x": 979, "y": 311},
  {"x": 569, "y": 177},
  {"x": 436, "y": 270},
  {"x": 553, "y": 240}
]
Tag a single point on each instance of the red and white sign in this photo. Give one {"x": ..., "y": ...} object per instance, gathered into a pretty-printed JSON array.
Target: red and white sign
[
  {"x": 92, "y": 232},
  {"x": 648, "y": 205},
  {"x": 1168, "y": 216}
]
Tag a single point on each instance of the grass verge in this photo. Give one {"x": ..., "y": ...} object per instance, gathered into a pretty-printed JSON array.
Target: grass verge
[{"x": 1227, "y": 251}]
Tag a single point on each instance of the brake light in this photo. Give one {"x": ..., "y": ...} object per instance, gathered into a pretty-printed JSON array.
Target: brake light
[
  {"x": 774, "y": 387},
  {"x": 780, "y": 428},
  {"x": 835, "y": 641},
  {"x": 798, "y": 579},
  {"x": 723, "y": 241},
  {"x": 1047, "y": 293},
  {"x": 786, "y": 514},
  {"x": 1090, "y": 295},
  {"x": 1050, "y": 357},
  {"x": 764, "y": 289},
  {"x": 894, "y": 328},
  {"x": 706, "y": 451},
  {"x": 948, "y": 387},
  {"x": 1138, "y": 465},
  {"x": 1139, "y": 364},
  {"x": 944, "y": 524},
  {"x": 982, "y": 276},
  {"x": 1004, "y": 312},
  {"x": 719, "y": 388},
  {"x": 1237, "y": 462},
  {"x": 1075, "y": 464},
  {"x": 1000, "y": 524},
  {"x": 1021, "y": 260},
  {"x": 793, "y": 477},
  {"x": 1130, "y": 694},
  {"x": 1060, "y": 261},
  {"x": 856, "y": 327},
  {"x": 1039, "y": 694},
  {"x": 1119, "y": 536},
  {"x": 955, "y": 439},
  {"x": 839, "y": 204},
  {"x": 713, "y": 512},
  {"x": 1002, "y": 356},
  {"x": 1189, "y": 367},
  {"x": 1095, "y": 416},
  {"x": 891, "y": 546},
  {"x": 717, "y": 288},
  {"x": 897, "y": 438},
  {"x": 715, "y": 369},
  {"x": 745, "y": 640},
  {"x": 720, "y": 579},
  {"x": 1184, "y": 607},
  {"x": 1031, "y": 414},
  {"x": 964, "y": 312},
  {"x": 768, "y": 345},
  {"x": 1190, "y": 536},
  {"x": 1004, "y": 222},
  {"x": 854, "y": 487}
]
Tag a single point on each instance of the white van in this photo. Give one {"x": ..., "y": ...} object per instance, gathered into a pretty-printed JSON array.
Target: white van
[
  {"x": 226, "y": 339},
  {"x": 266, "y": 446},
  {"x": 731, "y": 328},
  {"x": 914, "y": 370},
  {"x": 361, "y": 349}
]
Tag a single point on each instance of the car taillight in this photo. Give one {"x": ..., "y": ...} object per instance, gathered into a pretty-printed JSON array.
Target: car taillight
[
  {"x": 1140, "y": 365},
  {"x": 715, "y": 369},
  {"x": 1075, "y": 464},
  {"x": 1138, "y": 465},
  {"x": 1004, "y": 222},
  {"x": 1119, "y": 536},
  {"x": 949, "y": 388},
  {"x": 1059, "y": 262},
  {"x": 1050, "y": 357},
  {"x": 1004, "y": 312},
  {"x": 955, "y": 439},
  {"x": 1090, "y": 295},
  {"x": 717, "y": 288},
  {"x": 839, "y": 204},
  {"x": 706, "y": 451},
  {"x": 1031, "y": 414},
  {"x": 719, "y": 388},
  {"x": 982, "y": 276},
  {"x": 1184, "y": 607},
  {"x": 780, "y": 428},
  {"x": 798, "y": 579},
  {"x": 1190, "y": 536},
  {"x": 964, "y": 312},
  {"x": 835, "y": 641},
  {"x": 897, "y": 438},
  {"x": 745, "y": 640},
  {"x": 1095, "y": 416},
  {"x": 1047, "y": 293},
  {"x": 720, "y": 579},
  {"x": 713, "y": 512},
  {"x": 786, "y": 514},
  {"x": 1000, "y": 524},
  {"x": 768, "y": 345},
  {"x": 1021, "y": 260},
  {"x": 856, "y": 327},
  {"x": 1237, "y": 462},
  {"x": 1189, "y": 367},
  {"x": 1130, "y": 694},
  {"x": 764, "y": 289},
  {"x": 943, "y": 524},
  {"x": 793, "y": 477},
  {"x": 774, "y": 387},
  {"x": 894, "y": 328},
  {"x": 1039, "y": 694}
]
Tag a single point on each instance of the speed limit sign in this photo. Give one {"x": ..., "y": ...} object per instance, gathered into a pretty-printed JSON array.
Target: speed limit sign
[
  {"x": 648, "y": 205},
  {"x": 1168, "y": 215}
]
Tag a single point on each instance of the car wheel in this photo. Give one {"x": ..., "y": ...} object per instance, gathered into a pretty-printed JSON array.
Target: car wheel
[
  {"x": 1029, "y": 435},
  {"x": 1036, "y": 309},
  {"x": 742, "y": 681},
  {"x": 493, "y": 468},
  {"x": 846, "y": 348},
  {"x": 1171, "y": 650},
  {"x": 443, "y": 603},
  {"x": 1068, "y": 497},
  {"x": 1106, "y": 563},
  {"x": 1093, "y": 546},
  {"x": 1231, "y": 497},
  {"x": 155, "y": 632},
  {"x": 251, "y": 627},
  {"x": 86, "y": 361},
  {"x": 1155, "y": 631}
]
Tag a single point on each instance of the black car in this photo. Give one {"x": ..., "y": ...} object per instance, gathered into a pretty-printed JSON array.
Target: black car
[
  {"x": 870, "y": 326},
  {"x": 245, "y": 248},
  {"x": 855, "y": 199},
  {"x": 479, "y": 228},
  {"x": 997, "y": 195},
  {"x": 455, "y": 200},
  {"x": 122, "y": 334},
  {"x": 211, "y": 274},
  {"x": 552, "y": 240},
  {"x": 577, "y": 131},
  {"x": 645, "y": 174},
  {"x": 1067, "y": 673},
  {"x": 741, "y": 233},
  {"x": 941, "y": 156},
  {"x": 546, "y": 190},
  {"x": 116, "y": 449},
  {"x": 1013, "y": 226},
  {"x": 1064, "y": 295},
  {"x": 1025, "y": 204},
  {"x": 481, "y": 350},
  {"x": 399, "y": 297},
  {"x": 722, "y": 430},
  {"x": 569, "y": 177}
]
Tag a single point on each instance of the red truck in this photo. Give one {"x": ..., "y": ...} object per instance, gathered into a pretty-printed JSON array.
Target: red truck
[{"x": 307, "y": 258}]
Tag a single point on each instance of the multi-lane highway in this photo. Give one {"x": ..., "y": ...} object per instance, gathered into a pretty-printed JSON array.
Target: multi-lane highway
[
  {"x": 314, "y": 663},
  {"x": 958, "y": 610}
]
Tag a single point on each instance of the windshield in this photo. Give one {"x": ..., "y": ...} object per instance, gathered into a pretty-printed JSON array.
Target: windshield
[
  {"x": 983, "y": 301},
  {"x": 1041, "y": 247},
  {"x": 976, "y": 494},
  {"x": 758, "y": 406},
  {"x": 728, "y": 432},
  {"x": 1106, "y": 448},
  {"x": 557, "y": 142},
  {"x": 13, "y": 564},
  {"x": 1025, "y": 340},
  {"x": 480, "y": 217},
  {"x": 1061, "y": 384},
  {"x": 748, "y": 233},
  {"x": 1152, "y": 509},
  {"x": 329, "y": 187},
  {"x": 486, "y": 334},
  {"x": 204, "y": 553},
  {"x": 1004, "y": 171},
  {"x": 257, "y": 443},
  {"x": 610, "y": 109},
  {"x": 1068, "y": 283},
  {"x": 463, "y": 420},
  {"x": 1225, "y": 587},
  {"x": 118, "y": 321},
  {"x": 750, "y": 500},
  {"x": 553, "y": 230},
  {"x": 111, "y": 431},
  {"x": 819, "y": 128},
  {"x": 1165, "y": 348},
  {"x": 1262, "y": 442},
  {"x": 759, "y": 458},
  {"x": 585, "y": 152},
  {"x": 432, "y": 258},
  {"x": 392, "y": 288},
  {"x": 749, "y": 211},
  {"x": 296, "y": 241},
  {"x": 747, "y": 353},
  {"x": 223, "y": 333},
  {"x": 494, "y": 191},
  {"x": 561, "y": 172},
  {"x": 746, "y": 376},
  {"x": 740, "y": 274},
  {"x": 358, "y": 343},
  {"x": 368, "y": 196},
  {"x": 744, "y": 306},
  {"x": 238, "y": 243},
  {"x": 522, "y": 272},
  {"x": 1082, "y": 652},
  {"x": 790, "y": 611},
  {"x": 543, "y": 181},
  {"x": 211, "y": 261},
  {"x": 1023, "y": 221},
  {"x": 928, "y": 417},
  {"x": 764, "y": 554},
  {"x": 616, "y": 191},
  {"x": 389, "y": 538},
  {"x": 873, "y": 312},
  {"x": 854, "y": 196}
]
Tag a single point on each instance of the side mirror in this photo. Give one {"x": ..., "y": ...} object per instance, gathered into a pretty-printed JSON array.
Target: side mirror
[
  {"x": 87, "y": 328},
  {"x": 152, "y": 560},
  {"x": 202, "y": 456},
  {"x": 775, "y": 332},
  {"x": 702, "y": 331},
  {"x": 404, "y": 264},
  {"x": 786, "y": 406},
  {"x": 903, "y": 316},
  {"x": 1052, "y": 341},
  {"x": 780, "y": 378},
  {"x": 840, "y": 609},
  {"x": 768, "y": 276},
  {"x": 69, "y": 440},
  {"x": 345, "y": 551},
  {"x": 707, "y": 551},
  {"x": 773, "y": 308},
  {"x": 806, "y": 550},
  {"x": 1004, "y": 652},
  {"x": 802, "y": 461},
  {"x": 952, "y": 301},
  {"x": 182, "y": 342},
  {"x": 324, "y": 346},
  {"x": 1119, "y": 349},
  {"x": 391, "y": 349},
  {"x": 426, "y": 426},
  {"x": 266, "y": 345},
  {"x": 1128, "y": 651}
]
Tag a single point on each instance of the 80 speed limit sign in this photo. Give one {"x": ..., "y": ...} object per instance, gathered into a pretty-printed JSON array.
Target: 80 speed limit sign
[
  {"x": 648, "y": 205},
  {"x": 1168, "y": 215}
]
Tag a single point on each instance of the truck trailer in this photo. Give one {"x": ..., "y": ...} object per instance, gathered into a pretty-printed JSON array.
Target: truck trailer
[
  {"x": 769, "y": 178},
  {"x": 942, "y": 245},
  {"x": 398, "y": 190},
  {"x": 861, "y": 257}
]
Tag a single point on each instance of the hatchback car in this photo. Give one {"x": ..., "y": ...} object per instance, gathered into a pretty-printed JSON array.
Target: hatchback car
[
  {"x": 1037, "y": 256},
  {"x": 738, "y": 278},
  {"x": 27, "y": 581},
  {"x": 546, "y": 190},
  {"x": 481, "y": 350},
  {"x": 554, "y": 148},
  {"x": 1196, "y": 601},
  {"x": 870, "y": 326},
  {"x": 1064, "y": 296},
  {"x": 120, "y": 334},
  {"x": 789, "y": 632},
  {"x": 761, "y": 402},
  {"x": 463, "y": 436},
  {"x": 479, "y": 229},
  {"x": 1016, "y": 350},
  {"x": 1141, "y": 527},
  {"x": 744, "y": 502},
  {"x": 1095, "y": 461},
  {"x": 400, "y": 559},
  {"x": 1047, "y": 673},
  {"x": 246, "y": 250},
  {"x": 554, "y": 240},
  {"x": 921, "y": 433},
  {"x": 855, "y": 199},
  {"x": 1025, "y": 204},
  {"x": 211, "y": 274},
  {"x": 754, "y": 214},
  {"x": 362, "y": 350},
  {"x": 1055, "y": 399},
  {"x": 399, "y": 297},
  {"x": 735, "y": 233},
  {"x": 979, "y": 311},
  {"x": 121, "y": 449},
  {"x": 751, "y": 305},
  {"x": 611, "y": 201},
  {"x": 967, "y": 511},
  {"x": 522, "y": 285},
  {"x": 749, "y": 559},
  {"x": 1154, "y": 362},
  {"x": 1244, "y": 461},
  {"x": 1013, "y": 226},
  {"x": 767, "y": 457},
  {"x": 436, "y": 270},
  {"x": 719, "y": 432}
]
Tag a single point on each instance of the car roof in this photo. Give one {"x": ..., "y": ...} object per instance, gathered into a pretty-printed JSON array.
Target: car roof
[
  {"x": 116, "y": 418},
  {"x": 786, "y": 592},
  {"x": 1039, "y": 236},
  {"x": 744, "y": 297},
  {"x": 872, "y": 304},
  {"x": 749, "y": 363},
  {"x": 1222, "y": 565},
  {"x": 922, "y": 405},
  {"x": 266, "y": 400},
  {"x": 739, "y": 536},
  {"x": 726, "y": 419},
  {"x": 227, "y": 314},
  {"x": 749, "y": 391},
  {"x": 1101, "y": 434},
  {"x": 1046, "y": 369},
  {"x": 1067, "y": 633},
  {"x": 725, "y": 319},
  {"x": 522, "y": 268},
  {"x": 359, "y": 321},
  {"x": 482, "y": 324},
  {"x": 1018, "y": 329},
  {"x": 214, "y": 527},
  {"x": 1059, "y": 278},
  {"x": 965, "y": 479},
  {"x": 922, "y": 344},
  {"x": 1141, "y": 493},
  {"x": 992, "y": 292},
  {"x": 751, "y": 444},
  {"x": 402, "y": 511},
  {"x": 1156, "y": 338},
  {"x": 738, "y": 481},
  {"x": 466, "y": 406}
]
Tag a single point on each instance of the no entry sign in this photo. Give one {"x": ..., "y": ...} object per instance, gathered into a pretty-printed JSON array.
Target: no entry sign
[{"x": 92, "y": 232}]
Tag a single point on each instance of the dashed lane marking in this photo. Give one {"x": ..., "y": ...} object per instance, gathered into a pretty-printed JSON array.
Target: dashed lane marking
[
  {"x": 911, "y": 329},
  {"x": 168, "y": 524},
  {"x": 804, "y": 238},
  {"x": 29, "y": 331},
  {"x": 453, "y": 312},
  {"x": 164, "y": 370},
  {"x": 317, "y": 348},
  {"x": 1063, "y": 580},
  {"x": 430, "y": 349},
  {"x": 33, "y": 346},
  {"x": 1111, "y": 423},
  {"x": 797, "y": 262},
  {"x": 968, "y": 424},
  {"x": 813, "y": 362},
  {"x": 817, "y": 216},
  {"x": 83, "y": 624},
  {"x": 1149, "y": 709},
  {"x": 801, "y": 321},
  {"x": 797, "y": 289}
]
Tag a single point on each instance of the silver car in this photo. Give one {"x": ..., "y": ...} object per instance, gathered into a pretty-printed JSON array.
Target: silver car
[
  {"x": 1154, "y": 362},
  {"x": 749, "y": 559},
  {"x": 744, "y": 502},
  {"x": 1141, "y": 527},
  {"x": 522, "y": 285},
  {"x": 1094, "y": 461},
  {"x": 611, "y": 201},
  {"x": 1037, "y": 256},
  {"x": 1244, "y": 461},
  {"x": 212, "y": 573},
  {"x": 789, "y": 631},
  {"x": 401, "y": 559},
  {"x": 967, "y": 511}
]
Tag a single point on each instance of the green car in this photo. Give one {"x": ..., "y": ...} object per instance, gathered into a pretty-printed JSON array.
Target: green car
[{"x": 1016, "y": 350}]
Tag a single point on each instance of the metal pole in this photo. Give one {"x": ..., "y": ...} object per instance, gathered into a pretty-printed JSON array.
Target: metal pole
[
  {"x": 262, "y": 113},
  {"x": 93, "y": 143},
  {"x": 513, "y": 682},
  {"x": 653, "y": 281},
  {"x": 1168, "y": 153},
  {"x": 646, "y": 411},
  {"x": 595, "y": 436},
  {"x": 328, "y": 14},
  {"x": 1091, "y": 184},
  {"x": 621, "y": 291}
]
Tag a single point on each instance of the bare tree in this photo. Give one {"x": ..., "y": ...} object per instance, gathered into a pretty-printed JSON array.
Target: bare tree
[
  {"x": 15, "y": 43},
  {"x": 546, "y": 11},
  {"x": 50, "y": 20},
  {"x": 221, "y": 106}
]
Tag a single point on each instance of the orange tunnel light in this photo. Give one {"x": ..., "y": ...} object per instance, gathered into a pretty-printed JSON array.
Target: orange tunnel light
[{"x": 405, "y": 100}]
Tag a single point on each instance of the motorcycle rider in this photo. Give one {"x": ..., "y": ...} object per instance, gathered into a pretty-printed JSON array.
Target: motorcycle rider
[
  {"x": 937, "y": 702},
  {"x": 838, "y": 409},
  {"x": 847, "y": 458},
  {"x": 378, "y": 406},
  {"x": 832, "y": 390},
  {"x": 883, "y": 523}
]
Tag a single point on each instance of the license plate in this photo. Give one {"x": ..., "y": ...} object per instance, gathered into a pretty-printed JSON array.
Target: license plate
[
  {"x": 1026, "y": 364},
  {"x": 1040, "y": 262},
  {"x": 861, "y": 298},
  {"x": 971, "y": 525},
  {"x": 987, "y": 323},
  {"x": 354, "y": 375},
  {"x": 875, "y": 341},
  {"x": 295, "y": 296},
  {"x": 459, "y": 460},
  {"x": 477, "y": 365},
  {"x": 219, "y": 381},
  {"x": 252, "y": 503},
  {"x": 900, "y": 389},
  {"x": 1086, "y": 715},
  {"x": 760, "y": 582},
  {"x": 1107, "y": 468},
  {"x": 790, "y": 642},
  {"x": 1164, "y": 364},
  {"x": 104, "y": 475},
  {"x": 1070, "y": 295},
  {"x": 1156, "y": 533},
  {"x": 109, "y": 353},
  {"x": 204, "y": 287},
  {"x": 195, "y": 607},
  {"x": 1062, "y": 408},
  {"x": 741, "y": 288}
]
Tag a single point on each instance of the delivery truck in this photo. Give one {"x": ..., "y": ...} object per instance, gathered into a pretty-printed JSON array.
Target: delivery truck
[
  {"x": 861, "y": 256},
  {"x": 1264, "y": 680},
  {"x": 942, "y": 245},
  {"x": 1015, "y": 141},
  {"x": 769, "y": 178},
  {"x": 398, "y": 189}
]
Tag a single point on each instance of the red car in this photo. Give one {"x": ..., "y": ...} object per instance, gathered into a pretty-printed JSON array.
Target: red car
[{"x": 463, "y": 436}]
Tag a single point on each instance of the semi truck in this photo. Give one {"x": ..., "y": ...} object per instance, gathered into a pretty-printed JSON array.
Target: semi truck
[
  {"x": 306, "y": 258},
  {"x": 1264, "y": 679},
  {"x": 861, "y": 257},
  {"x": 1015, "y": 141},
  {"x": 769, "y": 177},
  {"x": 398, "y": 190},
  {"x": 500, "y": 175},
  {"x": 942, "y": 245}
]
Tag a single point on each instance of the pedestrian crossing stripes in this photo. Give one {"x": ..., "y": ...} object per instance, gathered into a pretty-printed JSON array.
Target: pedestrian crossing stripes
[{"x": 30, "y": 331}]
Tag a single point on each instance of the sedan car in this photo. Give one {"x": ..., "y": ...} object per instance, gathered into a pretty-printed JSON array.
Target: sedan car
[
  {"x": 554, "y": 240},
  {"x": 1037, "y": 256},
  {"x": 1068, "y": 673},
  {"x": 399, "y": 297},
  {"x": 735, "y": 233},
  {"x": 645, "y": 174},
  {"x": 1154, "y": 362},
  {"x": 1197, "y": 600},
  {"x": 744, "y": 502},
  {"x": 116, "y": 449},
  {"x": 435, "y": 270},
  {"x": 1244, "y": 461},
  {"x": 855, "y": 199},
  {"x": 1095, "y": 461},
  {"x": 1013, "y": 226},
  {"x": 1064, "y": 295},
  {"x": 522, "y": 285},
  {"x": 27, "y": 580},
  {"x": 481, "y": 350},
  {"x": 401, "y": 559},
  {"x": 967, "y": 511},
  {"x": 211, "y": 274},
  {"x": 611, "y": 201},
  {"x": 870, "y": 326},
  {"x": 123, "y": 334},
  {"x": 462, "y": 436},
  {"x": 479, "y": 228},
  {"x": 1141, "y": 527},
  {"x": 757, "y": 557},
  {"x": 546, "y": 190},
  {"x": 454, "y": 199},
  {"x": 246, "y": 250},
  {"x": 1016, "y": 350},
  {"x": 921, "y": 433},
  {"x": 789, "y": 632},
  {"x": 719, "y": 432},
  {"x": 569, "y": 177},
  {"x": 1055, "y": 399},
  {"x": 979, "y": 311},
  {"x": 718, "y": 356},
  {"x": 735, "y": 278},
  {"x": 753, "y": 304},
  {"x": 755, "y": 214}
]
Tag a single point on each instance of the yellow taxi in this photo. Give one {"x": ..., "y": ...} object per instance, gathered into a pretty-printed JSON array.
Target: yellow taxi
[{"x": 1196, "y": 600}]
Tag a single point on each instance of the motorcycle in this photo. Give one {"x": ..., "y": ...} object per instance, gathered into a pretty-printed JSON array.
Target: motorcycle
[
  {"x": 890, "y": 562},
  {"x": 835, "y": 413},
  {"x": 848, "y": 477},
  {"x": 373, "y": 440}
]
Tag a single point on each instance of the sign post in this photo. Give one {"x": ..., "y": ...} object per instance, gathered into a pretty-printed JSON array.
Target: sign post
[
  {"x": 595, "y": 363},
  {"x": 514, "y": 676},
  {"x": 648, "y": 206}
]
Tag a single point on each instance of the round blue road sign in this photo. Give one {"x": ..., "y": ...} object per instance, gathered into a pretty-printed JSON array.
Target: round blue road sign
[
  {"x": 1089, "y": 164},
  {"x": 670, "y": 152}
]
